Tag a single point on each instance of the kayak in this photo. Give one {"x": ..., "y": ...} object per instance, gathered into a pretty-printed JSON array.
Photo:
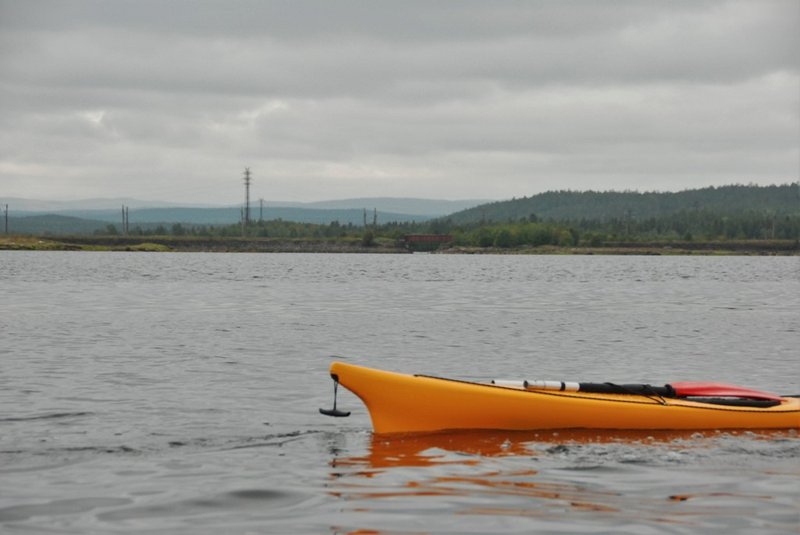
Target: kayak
[{"x": 402, "y": 403}]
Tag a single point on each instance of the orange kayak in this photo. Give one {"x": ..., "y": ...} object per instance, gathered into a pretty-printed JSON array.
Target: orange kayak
[{"x": 401, "y": 403}]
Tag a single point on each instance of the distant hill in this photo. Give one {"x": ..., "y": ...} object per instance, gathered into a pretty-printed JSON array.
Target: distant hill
[
  {"x": 86, "y": 216},
  {"x": 405, "y": 205},
  {"x": 53, "y": 224},
  {"x": 400, "y": 205},
  {"x": 227, "y": 216},
  {"x": 37, "y": 206},
  {"x": 231, "y": 215},
  {"x": 563, "y": 206},
  {"x": 605, "y": 205},
  {"x": 89, "y": 221}
]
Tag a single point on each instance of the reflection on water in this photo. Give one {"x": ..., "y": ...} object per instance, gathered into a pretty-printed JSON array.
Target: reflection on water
[
  {"x": 431, "y": 449},
  {"x": 588, "y": 475}
]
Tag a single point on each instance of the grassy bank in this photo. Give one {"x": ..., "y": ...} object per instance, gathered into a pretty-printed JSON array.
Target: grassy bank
[
  {"x": 32, "y": 243},
  {"x": 619, "y": 251},
  {"x": 707, "y": 248},
  {"x": 197, "y": 244},
  {"x": 381, "y": 245}
]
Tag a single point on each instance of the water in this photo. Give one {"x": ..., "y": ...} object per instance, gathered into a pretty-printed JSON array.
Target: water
[{"x": 178, "y": 393}]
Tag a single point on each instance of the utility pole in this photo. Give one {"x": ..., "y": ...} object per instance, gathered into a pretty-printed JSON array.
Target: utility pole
[
  {"x": 374, "y": 218},
  {"x": 261, "y": 210},
  {"x": 125, "y": 222},
  {"x": 365, "y": 218},
  {"x": 246, "y": 196},
  {"x": 6, "y": 215}
]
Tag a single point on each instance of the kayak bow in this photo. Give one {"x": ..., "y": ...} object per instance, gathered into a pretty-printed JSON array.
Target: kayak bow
[{"x": 400, "y": 403}]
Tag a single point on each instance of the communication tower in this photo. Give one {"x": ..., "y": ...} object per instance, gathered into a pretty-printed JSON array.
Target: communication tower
[{"x": 246, "y": 195}]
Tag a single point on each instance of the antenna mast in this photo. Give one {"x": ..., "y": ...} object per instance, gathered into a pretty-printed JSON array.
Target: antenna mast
[{"x": 246, "y": 196}]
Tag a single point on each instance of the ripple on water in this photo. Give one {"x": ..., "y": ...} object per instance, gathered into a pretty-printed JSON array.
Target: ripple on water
[
  {"x": 75, "y": 506},
  {"x": 259, "y": 502}
]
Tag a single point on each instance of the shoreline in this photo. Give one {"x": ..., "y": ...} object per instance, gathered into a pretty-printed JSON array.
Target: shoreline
[{"x": 385, "y": 246}]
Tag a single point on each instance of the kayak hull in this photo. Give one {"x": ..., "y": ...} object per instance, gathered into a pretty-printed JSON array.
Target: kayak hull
[{"x": 401, "y": 403}]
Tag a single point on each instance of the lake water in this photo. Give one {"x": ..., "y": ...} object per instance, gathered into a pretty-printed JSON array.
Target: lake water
[{"x": 178, "y": 393}]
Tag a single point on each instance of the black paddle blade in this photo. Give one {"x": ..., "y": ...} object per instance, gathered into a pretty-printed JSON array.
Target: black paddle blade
[{"x": 336, "y": 413}]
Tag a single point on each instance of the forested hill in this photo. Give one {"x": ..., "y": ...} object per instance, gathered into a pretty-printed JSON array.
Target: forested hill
[{"x": 606, "y": 205}]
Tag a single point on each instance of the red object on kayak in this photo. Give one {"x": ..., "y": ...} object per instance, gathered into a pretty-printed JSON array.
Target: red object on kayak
[{"x": 701, "y": 388}]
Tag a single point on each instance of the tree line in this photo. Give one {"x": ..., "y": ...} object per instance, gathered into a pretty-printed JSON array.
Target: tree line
[
  {"x": 530, "y": 231},
  {"x": 565, "y": 219},
  {"x": 604, "y": 205}
]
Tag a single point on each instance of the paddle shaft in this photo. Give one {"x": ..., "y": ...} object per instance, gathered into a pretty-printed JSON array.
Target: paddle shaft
[
  {"x": 685, "y": 389},
  {"x": 594, "y": 388},
  {"x": 640, "y": 389}
]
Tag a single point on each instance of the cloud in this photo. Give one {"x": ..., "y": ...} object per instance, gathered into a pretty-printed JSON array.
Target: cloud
[{"x": 454, "y": 99}]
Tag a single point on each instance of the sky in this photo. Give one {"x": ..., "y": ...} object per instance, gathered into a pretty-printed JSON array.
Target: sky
[{"x": 333, "y": 99}]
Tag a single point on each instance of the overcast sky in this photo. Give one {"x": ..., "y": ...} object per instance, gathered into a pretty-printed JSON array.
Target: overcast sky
[{"x": 170, "y": 100}]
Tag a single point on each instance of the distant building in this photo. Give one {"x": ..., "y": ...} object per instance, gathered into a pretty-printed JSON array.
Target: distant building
[{"x": 425, "y": 242}]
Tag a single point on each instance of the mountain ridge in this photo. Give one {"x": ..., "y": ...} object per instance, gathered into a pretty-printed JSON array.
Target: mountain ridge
[
  {"x": 405, "y": 205},
  {"x": 94, "y": 215},
  {"x": 565, "y": 206},
  {"x": 568, "y": 205}
]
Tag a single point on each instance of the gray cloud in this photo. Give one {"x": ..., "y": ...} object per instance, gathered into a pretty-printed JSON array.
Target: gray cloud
[{"x": 449, "y": 99}]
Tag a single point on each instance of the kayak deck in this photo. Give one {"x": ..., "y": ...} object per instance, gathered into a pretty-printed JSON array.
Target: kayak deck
[{"x": 400, "y": 403}]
